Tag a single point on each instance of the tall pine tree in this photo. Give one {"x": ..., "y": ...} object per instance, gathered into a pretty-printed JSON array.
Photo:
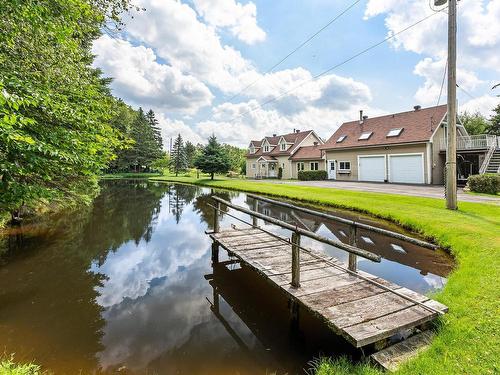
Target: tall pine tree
[
  {"x": 153, "y": 122},
  {"x": 213, "y": 159},
  {"x": 178, "y": 160}
]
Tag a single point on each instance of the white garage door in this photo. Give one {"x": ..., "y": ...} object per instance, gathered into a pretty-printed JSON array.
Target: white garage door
[
  {"x": 406, "y": 169},
  {"x": 371, "y": 168}
]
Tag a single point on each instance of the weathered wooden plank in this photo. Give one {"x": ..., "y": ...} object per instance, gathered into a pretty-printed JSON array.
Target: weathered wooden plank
[
  {"x": 392, "y": 357},
  {"x": 365, "y": 309},
  {"x": 374, "y": 330}
]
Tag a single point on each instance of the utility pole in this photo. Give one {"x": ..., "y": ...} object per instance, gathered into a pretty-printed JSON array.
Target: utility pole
[{"x": 451, "y": 150}]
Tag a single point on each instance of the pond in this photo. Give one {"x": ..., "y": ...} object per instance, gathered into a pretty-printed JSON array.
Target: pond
[{"x": 127, "y": 286}]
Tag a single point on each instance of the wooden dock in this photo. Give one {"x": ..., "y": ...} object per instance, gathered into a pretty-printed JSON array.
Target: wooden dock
[{"x": 362, "y": 308}]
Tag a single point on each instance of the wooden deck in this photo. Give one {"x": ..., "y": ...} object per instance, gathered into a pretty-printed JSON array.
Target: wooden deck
[{"x": 359, "y": 310}]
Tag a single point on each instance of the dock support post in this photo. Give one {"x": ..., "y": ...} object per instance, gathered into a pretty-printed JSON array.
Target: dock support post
[
  {"x": 295, "y": 260},
  {"x": 353, "y": 258},
  {"x": 255, "y": 208},
  {"x": 216, "y": 217},
  {"x": 215, "y": 252}
]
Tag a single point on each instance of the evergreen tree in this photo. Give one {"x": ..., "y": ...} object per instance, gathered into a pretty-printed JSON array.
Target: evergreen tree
[
  {"x": 213, "y": 159},
  {"x": 178, "y": 160},
  {"x": 153, "y": 122},
  {"x": 494, "y": 127},
  {"x": 191, "y": 152}
]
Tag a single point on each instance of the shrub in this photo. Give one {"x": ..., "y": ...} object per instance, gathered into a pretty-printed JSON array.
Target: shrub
[
  {"x": 280, "y": 173},
  {"x": 488, "y": 183},
  {"x": 312, "y": 175}
]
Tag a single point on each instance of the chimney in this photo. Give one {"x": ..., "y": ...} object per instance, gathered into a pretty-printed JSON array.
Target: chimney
[
  {"x": 297, "y": 131},
  {"x": 360, "y": 116},
  {"x": 417, "y": 108},
  {"x": 274, "y": 135}
]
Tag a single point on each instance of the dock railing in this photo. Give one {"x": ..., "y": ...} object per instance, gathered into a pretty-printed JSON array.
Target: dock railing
[{"x": 295, "y": 239}]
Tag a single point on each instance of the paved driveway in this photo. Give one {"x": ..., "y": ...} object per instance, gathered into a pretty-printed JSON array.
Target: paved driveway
[{"x": 431, "y": 191}]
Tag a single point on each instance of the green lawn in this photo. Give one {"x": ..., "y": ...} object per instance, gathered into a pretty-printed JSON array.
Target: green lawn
[
  {"x": 115, "y": 176},
  {"x": 468, "y": 341}
]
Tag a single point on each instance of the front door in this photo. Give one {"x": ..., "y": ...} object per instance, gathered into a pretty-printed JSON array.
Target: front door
[
  {"x": 332, "y": 172},
  {"x": 272, "y": 170}
]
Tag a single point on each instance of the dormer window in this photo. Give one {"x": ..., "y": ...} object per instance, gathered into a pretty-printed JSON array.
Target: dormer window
[
  {"x": 283, "y": 146},
  {"x": 364, "y": 136},
  {"x": 394, "y": 132},
  {"x": 252, "y": 150},
  {"x": 341, "y": 138},
  {"x": 266, "y": 148}
]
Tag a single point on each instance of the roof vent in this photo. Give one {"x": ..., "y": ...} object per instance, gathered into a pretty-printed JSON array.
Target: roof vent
[
  {"x": 315, "y": 143},
  {"x": 360, "y": 116},
  {"x": 297, "y": 131},
  {"x": 365, "y": 117},
  {"x": 274, "y": 135},
  {"x": 417, "y": 108}
]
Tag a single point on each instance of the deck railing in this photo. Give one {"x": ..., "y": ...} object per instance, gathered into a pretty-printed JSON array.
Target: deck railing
[{"x": 472, "y": 142}]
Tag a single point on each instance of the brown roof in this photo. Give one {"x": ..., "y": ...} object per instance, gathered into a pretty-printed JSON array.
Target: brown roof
[
  {"x": 307, "y": 153},
  {"x": 293, "y": 138},
  {"x": 417, "y": 125}
]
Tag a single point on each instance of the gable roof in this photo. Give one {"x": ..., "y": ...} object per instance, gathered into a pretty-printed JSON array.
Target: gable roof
[
  {"x": 418, "y": 126},
  {"x": 307, "y": 153},
  {"x": 291, "y": 138}
]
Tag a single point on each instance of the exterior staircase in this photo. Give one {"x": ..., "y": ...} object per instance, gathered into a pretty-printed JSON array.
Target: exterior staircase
[{"x": 494, "y": 163}]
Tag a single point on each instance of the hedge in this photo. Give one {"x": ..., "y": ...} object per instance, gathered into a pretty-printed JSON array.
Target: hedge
[
  {"x": 488, "y": 183},
  {"x": 312, "y": 175}
]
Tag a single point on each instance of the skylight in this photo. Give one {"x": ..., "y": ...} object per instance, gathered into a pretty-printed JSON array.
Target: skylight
[
  {"x": 394, "y": 132},
  {"x": 365, "y": 135},
  {"x": 341, "y": 138}
]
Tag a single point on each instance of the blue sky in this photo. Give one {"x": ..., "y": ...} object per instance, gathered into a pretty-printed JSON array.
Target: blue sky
[{"x": 187, "y": 59}]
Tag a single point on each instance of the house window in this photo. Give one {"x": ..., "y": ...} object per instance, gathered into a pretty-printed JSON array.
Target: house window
[
  {"x": 344, "y": 166},
  {"x": 266, "y": 148},
  {"x": 283, "y": 146},
  {"x": 254, "y": 165},
  {"x": 341, "y": 138},
  {"x": 365, "y": 136},
  {"x": 252, "y": 150},
  {"x": 300, "y": 166},
  {"x": 394, "y": 132},
  {"x": 314, "y": 166}
]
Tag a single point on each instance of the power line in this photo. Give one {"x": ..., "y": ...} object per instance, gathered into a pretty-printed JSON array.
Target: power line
[
  {"x": 442, "y": 82},
  {"x": 295, "y": 49},
  {"x": 338, "y": 65},
  {"x": 465, "y": 91}
]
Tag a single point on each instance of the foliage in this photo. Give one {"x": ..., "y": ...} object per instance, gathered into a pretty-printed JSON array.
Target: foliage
[
  {"x": 312, "y": 175},
  {"x": 488, "y": 183},
  {"x": 192, "y": 153},
  {"x": 280, "y": 173},
  {"x": 161, "y": 164},
  {"x": 8, "y": 367},
  {"x": 495, "y": 122},
  {"x": 213, "y": 158},
  {"x": 474, "y": 123},
  {"x": 236, "y": 157},
  {"x": 467, "y": 342},
  {"x": 55, "y": 109},
  {"x": 146, "y": 146},
  {"x": 178, "y": 160}
]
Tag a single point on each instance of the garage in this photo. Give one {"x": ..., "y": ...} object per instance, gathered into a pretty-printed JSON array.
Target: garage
[
  {"x": 371, "y": 168},
  {"x": 406, "y": 168}
]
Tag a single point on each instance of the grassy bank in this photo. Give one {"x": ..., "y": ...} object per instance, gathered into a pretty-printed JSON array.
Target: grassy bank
[
  {"x": 468, "y": 341},
  {"x": 117, "y": 176}
]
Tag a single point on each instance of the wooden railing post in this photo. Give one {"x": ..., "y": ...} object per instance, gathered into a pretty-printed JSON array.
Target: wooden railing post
[
  {"x": 256, "y": 209},
  {"x": 295, "y": 260},
  {"x": 216, "y": 217},
  {"x": 353, "y": 258}
]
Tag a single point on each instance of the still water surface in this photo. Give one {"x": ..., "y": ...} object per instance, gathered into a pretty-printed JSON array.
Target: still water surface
[{"x": 127, "y": 287}]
